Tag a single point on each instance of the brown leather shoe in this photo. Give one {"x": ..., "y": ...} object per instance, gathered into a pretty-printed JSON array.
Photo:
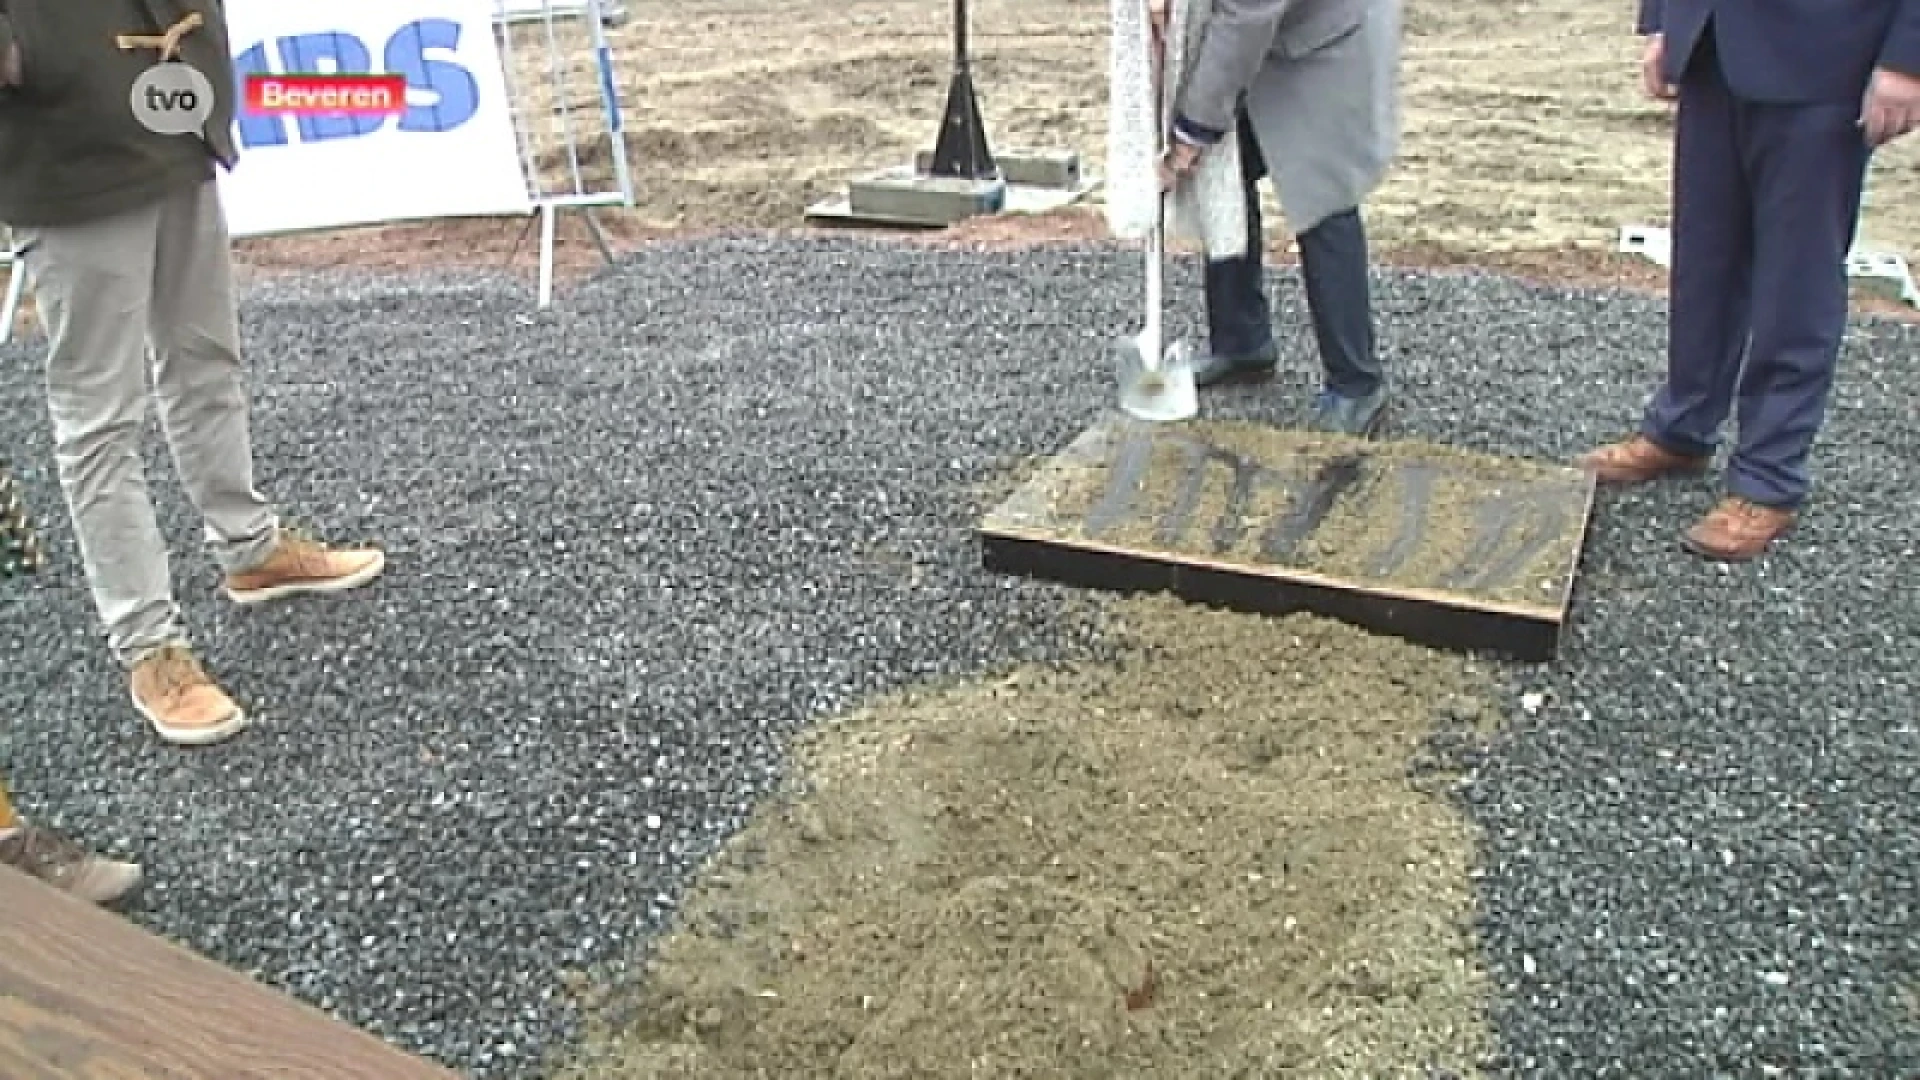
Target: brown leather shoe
[
  {"x": 184, "y": 706},
  {"x": 299, "y": 565},
  {"x": 1738, "y": 530},
  {"x": 1636, "y": 461}
]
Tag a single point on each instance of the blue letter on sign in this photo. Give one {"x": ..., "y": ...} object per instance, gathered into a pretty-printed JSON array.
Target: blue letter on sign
[
  {"x": 255, "y": 130},
  {"x": 337, "y": 52},
  {"x": 329, "y": 53},
  {"x": 459, "y": 94}
]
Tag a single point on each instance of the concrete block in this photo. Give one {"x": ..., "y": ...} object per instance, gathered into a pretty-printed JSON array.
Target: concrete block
[
  {"x": 1027, "y": 168},
  {"x": 903, "y": 194}
]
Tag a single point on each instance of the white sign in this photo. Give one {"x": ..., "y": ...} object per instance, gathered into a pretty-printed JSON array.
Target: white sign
[{"x": 452, "y": 153}]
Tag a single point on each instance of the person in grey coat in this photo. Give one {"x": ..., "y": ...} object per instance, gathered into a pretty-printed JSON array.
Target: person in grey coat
[{"x": 1310, "y": 90}]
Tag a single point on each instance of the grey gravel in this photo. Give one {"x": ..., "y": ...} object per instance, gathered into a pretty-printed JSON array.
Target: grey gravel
[{"x": 639, "y": 539}]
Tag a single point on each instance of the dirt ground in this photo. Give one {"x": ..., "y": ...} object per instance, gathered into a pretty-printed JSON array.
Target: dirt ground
[
  {"x": 1525, "y": 126},
  {"x": 1217, "y": 858},
  {"x": 1211, "y": 859},
  {"x": 1220, "y": 856},
  {"x": 1527, "y": 142},
  {"x": 1205, "y": 859}
]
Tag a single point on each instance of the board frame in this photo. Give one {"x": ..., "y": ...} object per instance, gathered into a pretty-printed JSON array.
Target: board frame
[{"x": 1022, "y": 537}]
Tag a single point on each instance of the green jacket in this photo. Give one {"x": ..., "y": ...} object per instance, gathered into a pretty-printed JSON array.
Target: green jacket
[{"x": 71, "y": 149}]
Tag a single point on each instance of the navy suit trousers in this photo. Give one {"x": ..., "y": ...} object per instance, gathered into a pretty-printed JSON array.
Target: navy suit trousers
[
  {"x": 1766, "y": 198},
  {"x": 1333, "y": 267}
]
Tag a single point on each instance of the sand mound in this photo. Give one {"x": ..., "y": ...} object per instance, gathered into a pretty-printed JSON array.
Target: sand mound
[{"x": 1206, "y": 859}]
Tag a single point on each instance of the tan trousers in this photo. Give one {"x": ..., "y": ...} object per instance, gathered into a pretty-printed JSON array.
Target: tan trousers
[{"x": 146, "y": 294}]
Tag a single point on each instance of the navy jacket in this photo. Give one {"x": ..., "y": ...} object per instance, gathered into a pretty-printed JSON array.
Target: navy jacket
[{"x": 1791, "y": 51}]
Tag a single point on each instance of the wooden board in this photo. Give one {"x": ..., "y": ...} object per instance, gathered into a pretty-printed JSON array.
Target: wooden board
[
  {"x": 1444, "y": 547},
  {"x": 87, "y": 995}
]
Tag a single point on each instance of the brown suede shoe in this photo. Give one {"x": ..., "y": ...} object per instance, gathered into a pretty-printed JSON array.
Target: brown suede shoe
[
  {"x": 1636, "y": 461},
  {"x": 299, "y": 565},
  {"x": 184, "y": 706},
  {"x": 1738, "y": 530},
  {"x": 59, "y": 862}
]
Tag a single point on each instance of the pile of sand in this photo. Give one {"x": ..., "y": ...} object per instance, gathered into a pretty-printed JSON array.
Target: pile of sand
[{"x": 1205, "y": 860}]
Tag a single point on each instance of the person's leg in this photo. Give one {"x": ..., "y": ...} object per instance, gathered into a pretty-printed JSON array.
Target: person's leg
[
  {"x": 201, "y": 386},
  {"x": 58, "y": 861},
  {"x": 1334, "y": 267},
  {"x": 1808, "y": 166},
  {"x": 92, "y": 287},
  {"x": 199, "y": 383},
  {"x": 1239, "y": 315},
  {"x": 1709, "y": 287},
  {"x": 90, "y": 291}
]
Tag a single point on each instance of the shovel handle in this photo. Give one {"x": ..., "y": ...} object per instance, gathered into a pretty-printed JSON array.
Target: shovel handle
[
  {"x": 1156, "y": 285},
  {"x": 1156, "y": 236}
]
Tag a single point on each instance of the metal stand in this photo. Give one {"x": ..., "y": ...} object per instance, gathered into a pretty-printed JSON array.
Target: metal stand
[
  {"x": 961, "y": 150},
  {"x": 960, "y": 177},
  {"x": 16, "y": 290},
  {"x": 580, "y": 192},
  {"x": 545, "y": 217}
]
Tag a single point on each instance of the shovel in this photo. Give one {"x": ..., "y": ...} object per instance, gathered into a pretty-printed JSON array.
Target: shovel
[
  {"x": 1156, "y": 379},
  {"x": 1156, "y": 385}
]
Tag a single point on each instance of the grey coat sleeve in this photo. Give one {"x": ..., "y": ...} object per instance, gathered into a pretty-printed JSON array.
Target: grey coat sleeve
[{"x": 1238, "y": 36}]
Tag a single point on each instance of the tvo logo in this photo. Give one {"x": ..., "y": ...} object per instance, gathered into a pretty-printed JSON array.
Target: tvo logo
[
  {"x": 408, "y": 53},
  {"x": 172, "y": 98}
]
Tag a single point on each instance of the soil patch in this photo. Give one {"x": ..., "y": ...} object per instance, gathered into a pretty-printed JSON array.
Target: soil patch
[
  {"x": 1402, "y": 513},
  {"x": 1527, "y": 145},
  {"x": 1205, "y": 858}
]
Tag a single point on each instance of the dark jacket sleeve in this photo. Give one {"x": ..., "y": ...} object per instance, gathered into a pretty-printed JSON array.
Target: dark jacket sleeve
[
  {"x": 1653, "y": 14},
  {"x": 1901, "y": 52},
  {"x": 1238, "y": 36}
]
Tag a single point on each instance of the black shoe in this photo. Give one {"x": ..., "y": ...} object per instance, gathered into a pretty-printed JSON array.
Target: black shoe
[
  {"x": 1338, "y": 414},
  {"x": 1213, "y": 369}
]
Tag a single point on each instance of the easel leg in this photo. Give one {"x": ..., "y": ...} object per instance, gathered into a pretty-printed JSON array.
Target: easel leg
[
  {"x": 599, "y": 235},
  {"x": 546, "y": 255},
  {"x": 10, "y": 308}
]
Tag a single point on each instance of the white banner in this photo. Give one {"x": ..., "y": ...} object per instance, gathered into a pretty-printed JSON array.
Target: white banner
[{"x": 453, "y": 153}]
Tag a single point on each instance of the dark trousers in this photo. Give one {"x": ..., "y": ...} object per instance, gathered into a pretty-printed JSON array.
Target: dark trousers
[
  {"x": 1333, "y": 265},
  {"x": 1765, "y": 203}
]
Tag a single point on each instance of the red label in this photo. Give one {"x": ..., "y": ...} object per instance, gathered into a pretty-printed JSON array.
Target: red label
[{"x": 326, "y": 95}]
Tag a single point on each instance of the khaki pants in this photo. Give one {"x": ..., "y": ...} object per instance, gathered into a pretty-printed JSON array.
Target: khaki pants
[{"x": 153, "y": 285}]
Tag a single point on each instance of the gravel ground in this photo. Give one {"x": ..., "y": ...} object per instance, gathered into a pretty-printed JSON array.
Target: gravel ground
[{"x": 638, "y": 540}]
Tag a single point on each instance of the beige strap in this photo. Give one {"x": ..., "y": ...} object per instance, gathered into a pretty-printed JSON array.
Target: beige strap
[{"x": 168, "y": 43}]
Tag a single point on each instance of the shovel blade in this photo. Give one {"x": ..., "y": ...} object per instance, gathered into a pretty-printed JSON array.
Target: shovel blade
[{"x": 1159, "y": 393}]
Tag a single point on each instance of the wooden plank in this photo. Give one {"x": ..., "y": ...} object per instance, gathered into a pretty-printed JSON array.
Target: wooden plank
[
  {"x": 1441, "y": 546},
  {"x": 87, "y": 995}
]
